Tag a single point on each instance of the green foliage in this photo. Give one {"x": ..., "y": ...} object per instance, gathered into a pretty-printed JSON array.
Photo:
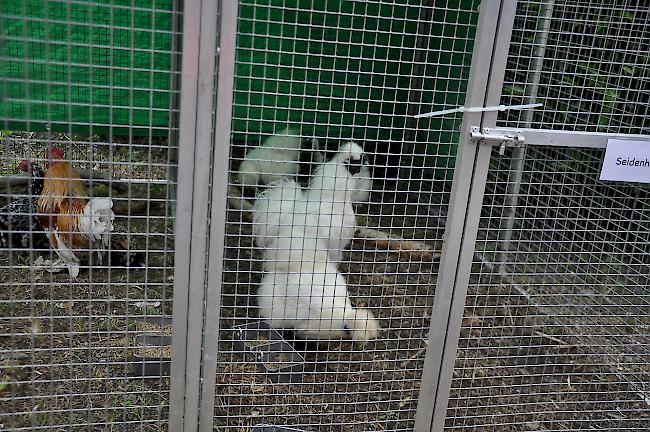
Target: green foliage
[
  {"x": 517, "y": 90},
  {"x": 629, "y": 70},
  {"x": 4, "y": 383},
  {"x": 628, "y": 15}
]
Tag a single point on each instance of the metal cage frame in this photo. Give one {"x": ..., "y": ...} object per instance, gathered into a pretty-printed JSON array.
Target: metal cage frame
[{"x": 205, "y": 136}]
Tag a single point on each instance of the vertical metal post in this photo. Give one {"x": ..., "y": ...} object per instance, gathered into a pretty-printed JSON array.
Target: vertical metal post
[
  {"x": 191, "y": 229},
  {"x": 490, "y": 48},
  {"x": 174, "y": 102},
  {"x": 222, "y": 134},
  {"x": 425, "y": 20},
  {"x": 518, "y": 154}
]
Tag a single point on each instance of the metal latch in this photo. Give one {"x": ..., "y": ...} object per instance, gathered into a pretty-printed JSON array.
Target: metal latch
[{"x": 486, "y": 136}]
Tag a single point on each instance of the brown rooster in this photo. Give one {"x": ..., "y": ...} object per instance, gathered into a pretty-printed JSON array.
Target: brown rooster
[{"x": 73, "y": 222}]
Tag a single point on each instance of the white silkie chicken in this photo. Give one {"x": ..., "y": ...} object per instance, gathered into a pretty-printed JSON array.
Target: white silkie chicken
[
  {"x": 324, "y": 209},
  {"x": 276, "y": 158},
  {"x": 282, "y": 205},
  {"x": 364, "y": 187},
  {"x": 304, "y": 292},
  {"x": 330, "y": 194}
]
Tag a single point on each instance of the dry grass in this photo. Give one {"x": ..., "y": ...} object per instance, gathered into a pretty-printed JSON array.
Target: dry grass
[{"x": 67, "y": 347}]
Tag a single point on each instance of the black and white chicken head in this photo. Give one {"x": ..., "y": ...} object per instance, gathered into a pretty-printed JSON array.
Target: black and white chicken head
[{"x": 353, "y": 157}]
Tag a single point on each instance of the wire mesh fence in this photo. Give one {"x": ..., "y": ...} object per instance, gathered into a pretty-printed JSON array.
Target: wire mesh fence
[
  {"x": 326, "y": 74},
  {"x": 587, "y": 63},
  {"x": 90, "y": 86},
  {"x": 328, "y": 282},
  {"x": 559, "y": 341},
  {"x": 555, "y": 331}
]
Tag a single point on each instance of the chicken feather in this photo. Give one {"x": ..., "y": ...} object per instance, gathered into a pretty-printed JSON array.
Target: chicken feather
[
  {"x": 19, "y": 225},
  {"x": 73, "y": 222},
  {"x": 276, "y": 158},
  {"x": 302, "y": 290},
  {"x": 324, "y": 209}
]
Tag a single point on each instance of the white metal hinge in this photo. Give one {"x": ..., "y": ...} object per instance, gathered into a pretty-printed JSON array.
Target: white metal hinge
[{"x": 486, "y": 136}]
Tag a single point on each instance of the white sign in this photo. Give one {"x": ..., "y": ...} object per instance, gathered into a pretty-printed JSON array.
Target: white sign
[{"x": 627, "y": 160}]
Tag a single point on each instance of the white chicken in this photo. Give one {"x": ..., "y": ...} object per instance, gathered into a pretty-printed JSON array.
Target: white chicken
[
  {"x": 362, "y": 194},
  {"x": 94, "y": 226},
  {"x": 324, "y": 209},
  {"x": 282, "y": 205},
  {"x": 330, "y": 195},
  {"x": 276, "y": 158},
  {"x": 303, "y": 291}
]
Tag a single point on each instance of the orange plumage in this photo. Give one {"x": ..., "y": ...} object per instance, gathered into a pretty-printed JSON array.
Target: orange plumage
[
  {"x": 61, "y": 182},
  {"x": 63, "y": 199}
]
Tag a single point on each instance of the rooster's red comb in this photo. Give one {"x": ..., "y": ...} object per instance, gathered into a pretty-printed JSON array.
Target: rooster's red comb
[
  {"x": 23, "y": 165},
  {"x": 54, "y": 153}
]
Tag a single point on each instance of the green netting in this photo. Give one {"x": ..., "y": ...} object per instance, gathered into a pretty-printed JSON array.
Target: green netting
[
  {"x": 338, "y": 68},
  {"x": 345, "y": 71},
  {"x": 76, "y": 64},
  {"x": 345, "y": 68}
]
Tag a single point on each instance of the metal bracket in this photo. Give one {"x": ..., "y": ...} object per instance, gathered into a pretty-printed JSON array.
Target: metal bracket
[{"x": 486, "y": 136}]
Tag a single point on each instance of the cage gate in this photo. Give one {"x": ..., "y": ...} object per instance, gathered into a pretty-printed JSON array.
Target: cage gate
[{"x": 269, "y": 376}]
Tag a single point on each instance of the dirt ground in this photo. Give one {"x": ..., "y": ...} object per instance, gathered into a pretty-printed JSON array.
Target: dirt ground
[{"x": 66, "y": 348}]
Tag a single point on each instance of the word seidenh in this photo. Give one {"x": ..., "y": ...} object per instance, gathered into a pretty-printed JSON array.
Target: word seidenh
[{"x": 633, "y": 162}]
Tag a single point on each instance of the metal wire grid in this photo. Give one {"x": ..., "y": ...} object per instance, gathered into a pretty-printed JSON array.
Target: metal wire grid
[
  {"x": 67, "y": 347},
  {"x": 345, "y": 386},
  {"x": 560, "y": 340},
  {"x": 586, "y": 62}
]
